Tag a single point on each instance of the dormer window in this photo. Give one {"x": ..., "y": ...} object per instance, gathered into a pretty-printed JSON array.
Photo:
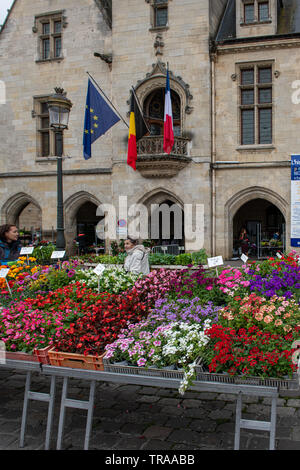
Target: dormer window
[
  {"x": 159, "y": 13},
  {"x": 263, "y": 11},
  {"x": 255, "y": 11},
  {"x": 249, "y": 13}
]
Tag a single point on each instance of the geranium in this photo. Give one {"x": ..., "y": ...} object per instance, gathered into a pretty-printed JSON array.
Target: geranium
[
  {"x": 250, "y": 352},
  {"x": 278, "y": 315},
  {"x": 232, "y": 281}
]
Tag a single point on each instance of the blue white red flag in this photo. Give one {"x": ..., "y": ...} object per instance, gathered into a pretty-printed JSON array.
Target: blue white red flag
[{"x": 168, "y": 119}]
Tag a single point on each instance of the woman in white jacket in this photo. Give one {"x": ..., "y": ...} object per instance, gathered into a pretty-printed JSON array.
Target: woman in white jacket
[{"x": 136, "y": 260}]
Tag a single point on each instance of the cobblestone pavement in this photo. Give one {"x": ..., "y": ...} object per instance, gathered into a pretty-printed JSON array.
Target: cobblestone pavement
[{"x": 130, "y": 417}]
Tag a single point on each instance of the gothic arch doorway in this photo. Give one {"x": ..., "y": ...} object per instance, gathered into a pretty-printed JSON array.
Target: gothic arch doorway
[
  {"x": 24, "y": 211},
  {"x": 165, "y": 220},
  {"x": 86, "y": 222},
  {"x": 265, "y": 226},
  {"x": 80, "y": 215}
]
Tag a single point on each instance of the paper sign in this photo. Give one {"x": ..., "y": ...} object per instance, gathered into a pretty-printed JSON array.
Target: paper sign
[
  {"x": 99, "y": 269},
  {"x": 244, "y": 258},
  {"x": 26, "y": 250},
  {"x": 216, "y": 261},
  {"x": 278, "y": 255},
  {"x": 4, "y": 273},
  {"x": 58, "y": 254}
]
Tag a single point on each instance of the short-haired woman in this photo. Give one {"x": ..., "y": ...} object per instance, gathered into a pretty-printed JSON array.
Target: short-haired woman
[
  {"x": 136, "y": 260},
  {"x": 10, "y": 245}
]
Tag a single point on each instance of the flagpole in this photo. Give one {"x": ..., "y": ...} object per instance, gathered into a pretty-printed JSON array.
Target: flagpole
[
  {"x": 140, "y": 108},
  {"x": 108, "y": 99}
]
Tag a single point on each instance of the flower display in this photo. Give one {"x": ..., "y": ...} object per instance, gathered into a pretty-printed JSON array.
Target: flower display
[
  {"x": 114, "y": 279},
  {"x": 250, "y": 352},
  {"x": 177, "y": 344},
  {"x": 184, "y": 310},
  {"x": 100, "y": 324},
  {"x": 276, "y": 314},
  {"x": 240, "y": 321}
]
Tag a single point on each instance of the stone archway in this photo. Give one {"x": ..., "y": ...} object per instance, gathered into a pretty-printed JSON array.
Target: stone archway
[
  {"x": 71, "y": 208},
  {"x": 13, "y": 207},
  {"x": 243, "y": 197},
  {"x": 157, "y": 201}
]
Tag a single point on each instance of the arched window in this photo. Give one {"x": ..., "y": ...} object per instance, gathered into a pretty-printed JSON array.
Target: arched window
[{"x": 154, "y": 111}]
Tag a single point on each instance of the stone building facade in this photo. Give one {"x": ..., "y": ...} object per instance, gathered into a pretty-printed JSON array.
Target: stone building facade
[{"x": 207, "y": 46}]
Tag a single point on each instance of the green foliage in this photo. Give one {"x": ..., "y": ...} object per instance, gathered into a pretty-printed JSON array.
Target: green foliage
[
  {"x": 160, "y": 258},
  {"x": 57, "y": 278},
  {"x": 43, "y": 253},
  {"x": 199, "y": 257},
  {"x": 183, "y": 259}
]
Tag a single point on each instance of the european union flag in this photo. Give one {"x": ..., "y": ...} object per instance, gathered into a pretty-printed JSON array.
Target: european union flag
[{"x": 99, "y": 117}]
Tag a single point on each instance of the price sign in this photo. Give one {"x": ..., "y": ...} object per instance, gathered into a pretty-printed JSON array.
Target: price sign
[
  {"x": 216, "y": 261},
  {"x": 278, "y": 255},
  {"x": 58, "y": 254},
  {"x": 99, "y": 269},
  {"x": 4, "y": 273},
  {"x": 244, "y": 258},
  {"x": 26, "y": 250}
]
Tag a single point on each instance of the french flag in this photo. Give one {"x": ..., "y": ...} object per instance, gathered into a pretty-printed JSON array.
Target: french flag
[{"x": 168, "y": 119}]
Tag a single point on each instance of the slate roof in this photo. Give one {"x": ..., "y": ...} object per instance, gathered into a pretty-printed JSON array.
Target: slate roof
[{"x": 288, "y": 21}]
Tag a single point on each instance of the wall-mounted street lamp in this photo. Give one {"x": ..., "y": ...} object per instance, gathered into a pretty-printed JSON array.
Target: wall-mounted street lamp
[{"x": 59, "y": 110}]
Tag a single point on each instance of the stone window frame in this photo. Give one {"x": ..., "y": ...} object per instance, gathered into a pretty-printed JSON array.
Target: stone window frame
[
  {"x": 256, "y": 20},
  {"x": 38, "y": 28},
  {"x": 256, "y": 65},
  {"x": 156, "y": 5},
  {"x": 41, "y": 115}
]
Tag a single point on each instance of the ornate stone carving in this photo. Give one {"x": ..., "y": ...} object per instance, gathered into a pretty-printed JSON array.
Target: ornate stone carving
[
  {"x": 158, "y": 45},
  {"x": 152, "y": 162},
  {"x": 156, "y": 78}
]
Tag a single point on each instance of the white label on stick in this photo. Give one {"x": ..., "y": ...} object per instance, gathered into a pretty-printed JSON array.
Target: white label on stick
[
  {"x": 99, "y": 269},
  {"x": 4, "y": 273},
  {"x": 58, "y": 254},
  {"x": 26, "y": 250},
  {"x": 244, "y": 258},
  {"x": 216, "y": 261}
]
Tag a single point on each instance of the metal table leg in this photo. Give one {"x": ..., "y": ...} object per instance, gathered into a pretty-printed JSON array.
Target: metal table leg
[
  {"x": 269, "y": 426},
  {"x": 79, "y": 404},
  {"x": 38, "y": 396}
]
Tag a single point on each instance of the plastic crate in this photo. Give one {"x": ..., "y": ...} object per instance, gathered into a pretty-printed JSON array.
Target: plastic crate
[
  {"x": 283, "y": 384},
  {"x": 20, "y": 356},
  {"x": 136, "y": 370},
  {"x": 43, "y": 354},
  {"x": 75, "y": 361}
]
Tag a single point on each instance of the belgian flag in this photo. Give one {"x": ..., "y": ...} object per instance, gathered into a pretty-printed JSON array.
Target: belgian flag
[{"x": 137, "y": 129}]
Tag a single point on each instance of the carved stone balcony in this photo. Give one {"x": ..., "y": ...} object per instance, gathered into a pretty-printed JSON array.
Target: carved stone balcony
[{"x": 152, "y": 162}]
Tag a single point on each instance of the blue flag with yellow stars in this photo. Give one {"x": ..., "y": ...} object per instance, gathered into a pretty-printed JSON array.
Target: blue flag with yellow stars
[{"x": 99, "y": 117}]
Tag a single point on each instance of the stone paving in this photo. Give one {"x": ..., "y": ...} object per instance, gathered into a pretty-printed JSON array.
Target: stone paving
[{"x": 130, "y": 417}]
